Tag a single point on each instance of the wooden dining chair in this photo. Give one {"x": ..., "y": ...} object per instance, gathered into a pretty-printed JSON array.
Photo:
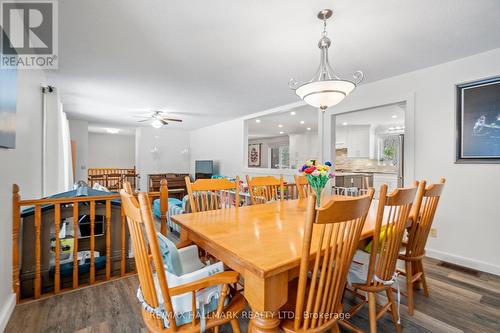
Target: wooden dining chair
[
  {"x": 263, "y": 189},
  {"x": 422, "y": 216},
  {"x": 212, "y": 194},
  {"x": 158, "y": 308},
  {"x": 332, "y": 233},
  {"x": 303, "y": 187},
  {"x": 375, "y": 272}
]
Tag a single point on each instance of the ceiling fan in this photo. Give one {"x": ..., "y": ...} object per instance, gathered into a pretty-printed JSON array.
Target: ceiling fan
[{"x": 158, "y": 119}]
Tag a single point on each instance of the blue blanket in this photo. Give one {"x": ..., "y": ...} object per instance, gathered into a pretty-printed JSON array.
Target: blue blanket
[{"x": 171, "y": 202}]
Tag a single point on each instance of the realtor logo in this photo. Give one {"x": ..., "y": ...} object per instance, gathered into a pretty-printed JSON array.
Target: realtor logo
[{"x": 29, "y": 34}]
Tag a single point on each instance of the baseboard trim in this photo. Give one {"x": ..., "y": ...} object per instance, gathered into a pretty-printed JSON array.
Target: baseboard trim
[
  {"x": 6, "y": 311},
  {"x": 462, "y": 261}
]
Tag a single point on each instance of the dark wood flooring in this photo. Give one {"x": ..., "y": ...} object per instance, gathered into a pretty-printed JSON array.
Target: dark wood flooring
[{"x": 460, "y": 301}]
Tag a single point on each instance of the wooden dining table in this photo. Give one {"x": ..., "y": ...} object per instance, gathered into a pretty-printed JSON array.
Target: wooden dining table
[{"x": 264, "y": 244}]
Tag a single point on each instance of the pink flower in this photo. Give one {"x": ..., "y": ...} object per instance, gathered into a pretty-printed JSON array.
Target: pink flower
[{"x": 315, "y": 173}]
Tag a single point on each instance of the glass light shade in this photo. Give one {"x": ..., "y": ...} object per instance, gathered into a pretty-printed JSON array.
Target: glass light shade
[
  {"x": 156, "y": 123},
  {"x": 324, "y": 94}
]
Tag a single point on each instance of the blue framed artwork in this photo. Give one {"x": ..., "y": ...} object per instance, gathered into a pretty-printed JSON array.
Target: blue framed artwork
[{"x": 478, "y": 121}]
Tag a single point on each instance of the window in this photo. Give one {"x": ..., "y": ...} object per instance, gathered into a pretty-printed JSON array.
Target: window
[{"x": 280, "y": 157}]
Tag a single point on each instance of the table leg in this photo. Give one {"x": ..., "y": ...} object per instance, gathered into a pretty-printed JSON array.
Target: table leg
[
  {"x": 266, "y": 295},
  {"x": 264, "y": 322}
]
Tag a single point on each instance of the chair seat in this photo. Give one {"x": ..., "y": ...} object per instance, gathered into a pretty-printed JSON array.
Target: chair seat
[{"x": 235, "y": 306}]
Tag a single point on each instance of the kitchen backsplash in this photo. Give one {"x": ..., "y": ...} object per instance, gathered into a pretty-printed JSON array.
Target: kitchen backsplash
[{"x": 364, "y": 165}]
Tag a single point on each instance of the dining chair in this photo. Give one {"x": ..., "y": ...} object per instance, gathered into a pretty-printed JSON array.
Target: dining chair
[
  {"x": 374, "y": 272},
  {"x": 188, "y": 305},
  {"x": 265, "y": 188},
  {"x": 332, "y": 233},
  {"x": 422, "y": 216},
  {"x": 212, "y": 194},
  {"x": 303, "y": 187}
]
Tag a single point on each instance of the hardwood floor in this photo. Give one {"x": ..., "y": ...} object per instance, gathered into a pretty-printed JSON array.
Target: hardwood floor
[{"x": 460, "y": 301}]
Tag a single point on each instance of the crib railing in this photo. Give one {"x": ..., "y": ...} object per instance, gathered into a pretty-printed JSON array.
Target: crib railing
[
  {"x": 106, "y": 171},
  {"x": 112, "y": 178},
  {"x": 72, "y": 207}
]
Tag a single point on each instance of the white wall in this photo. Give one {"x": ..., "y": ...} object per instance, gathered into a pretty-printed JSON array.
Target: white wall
[
  {"x": 222, "y": 143},
  {"x": 172, "y": 152},
  {"x": 467, "y": 221},
  {"x": 79, "y": 130},
  {"x": 111, "y": 151},
  {"x": 303, "y": 147},
  {"x": 266, "y": 145},
  {"x": 21, "y": 165}
]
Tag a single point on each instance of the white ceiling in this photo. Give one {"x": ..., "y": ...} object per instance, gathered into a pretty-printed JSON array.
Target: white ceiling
[
  {"x": 273, "y": 124},
  {"x": 393, "y": 114},
  {"x": 208, "y": 61}
]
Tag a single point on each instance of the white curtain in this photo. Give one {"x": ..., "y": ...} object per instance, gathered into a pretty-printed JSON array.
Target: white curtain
[
  {"x": 58, "y": 169},
  {"x": 65, "y": 160}
]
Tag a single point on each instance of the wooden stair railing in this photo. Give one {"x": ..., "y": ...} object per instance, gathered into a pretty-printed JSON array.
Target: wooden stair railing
[{"x": 72, "y": 207}]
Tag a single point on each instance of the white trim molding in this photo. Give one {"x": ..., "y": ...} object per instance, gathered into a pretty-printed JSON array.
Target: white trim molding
[
  {"x": 6, "y": 311},
  {"x": 462, "y": 261}
]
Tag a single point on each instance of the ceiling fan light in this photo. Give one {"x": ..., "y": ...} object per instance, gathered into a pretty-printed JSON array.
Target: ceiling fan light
[{"x": 156, "y": 123}]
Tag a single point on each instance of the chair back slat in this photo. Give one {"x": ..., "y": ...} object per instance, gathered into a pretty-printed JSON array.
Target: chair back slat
[
  {"x": 213, "y": 194},
  {"x": 265, "y": 188},
  {"x": 303, "y": 187},
  {"x": 139, "y": 218},
  {"x": 428, "y": 197},
  {"x": 392, "y": 218},
  {"x": 339, "y": 223}
]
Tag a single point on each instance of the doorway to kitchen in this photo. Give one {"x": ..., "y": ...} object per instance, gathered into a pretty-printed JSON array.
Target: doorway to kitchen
[{"x": 369, "y": 147}]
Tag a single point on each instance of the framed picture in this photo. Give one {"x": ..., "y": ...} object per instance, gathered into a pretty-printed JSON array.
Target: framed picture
[
  {"x": 8, "y": 96},
  {"x": 478, "y": 121},
  {"x": 254, "y": 155}
]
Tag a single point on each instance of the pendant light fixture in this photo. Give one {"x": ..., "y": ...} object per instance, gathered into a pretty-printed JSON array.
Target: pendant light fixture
[{"x": 325, "y": 89}]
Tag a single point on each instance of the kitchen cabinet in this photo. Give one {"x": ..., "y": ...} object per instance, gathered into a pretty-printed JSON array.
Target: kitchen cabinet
[
  {"x": 353, "y": 180},
  {"x": 358, "y": 141}
]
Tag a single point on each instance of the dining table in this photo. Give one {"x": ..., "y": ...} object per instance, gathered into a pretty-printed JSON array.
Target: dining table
[{"x": 263, "y": 243}]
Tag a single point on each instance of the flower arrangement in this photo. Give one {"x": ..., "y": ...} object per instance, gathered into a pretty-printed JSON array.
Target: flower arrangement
[{"x": 317, "y": 176}]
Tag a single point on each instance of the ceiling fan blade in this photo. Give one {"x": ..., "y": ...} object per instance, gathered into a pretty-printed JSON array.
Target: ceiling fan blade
[
  {"x": 163, "y": 122},
  {"x": 173, "y": 119}
]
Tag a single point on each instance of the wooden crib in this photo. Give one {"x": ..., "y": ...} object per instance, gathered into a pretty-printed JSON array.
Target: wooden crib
[{"x": 112, "y": 178}]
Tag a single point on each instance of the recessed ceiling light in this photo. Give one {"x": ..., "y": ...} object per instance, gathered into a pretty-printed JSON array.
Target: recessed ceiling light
[
  {"x": 302, "y": 122},
  {"x": 257, "y": 121},
  {"x": 280, "y": 126},
  {"x": 112, "y": 130},
  {"x": 344, "y": 124},
  {"x": 391, "y": 128},
  {"x": 309, "y": 128},
  {"x": 282, "y": 132},
  {"x": 394, "y": 116},
  {"x": 293, "y": 113}
]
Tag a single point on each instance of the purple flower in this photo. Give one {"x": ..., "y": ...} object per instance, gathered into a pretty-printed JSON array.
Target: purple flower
[{"x": 331, "y": 175}]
